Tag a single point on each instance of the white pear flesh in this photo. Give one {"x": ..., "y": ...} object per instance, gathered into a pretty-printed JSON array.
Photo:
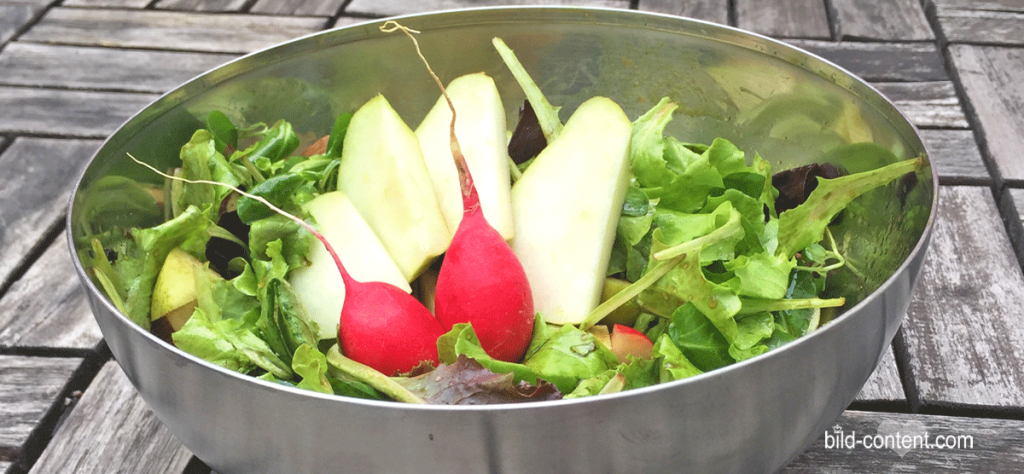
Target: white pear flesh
[
  {"x": 319, "y": 286},
  {"x": 481, "y": 131},
  {"x": 566, "y": 207},
  {"x": 383, "y": 173}
]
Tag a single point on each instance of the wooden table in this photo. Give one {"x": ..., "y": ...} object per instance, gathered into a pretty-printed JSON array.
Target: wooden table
[{"x": 72, "y": 71}]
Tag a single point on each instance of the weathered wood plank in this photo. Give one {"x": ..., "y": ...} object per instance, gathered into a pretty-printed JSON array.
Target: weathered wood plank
[
  {"x": 784, "y": 18},
  {"x": 982, "y": 26},
  {"x": 955, "y": 444},
  {"x": 85, "y": 114},
  {"x": 963, "y": 334},
  {"x": 107, "y": 3},
  {"x": 37, "y": 178},
  {"x": 213, "y": 32},
  {"x": 956, "y": 156},
  {"x": 41, "y": 3},
  {"x": 1011, "y": 204},
  {"x": 895, "y": 20},
  {"x": 400, "y": 7},
  {"x": 61, "y": 319},
  {"x": 884, "y": 384},
  {"x": 28, "y": 389},
  {"x": 882, "y": 62},
  {"x": 709, "y": 10},
  {"x": 14, "y": 17},
  {"x": 991, "y": 78},
  {"x": 5, "y": 467},
  {"x": 926, "y": 104},
  {"x": 76, "y": 67},
  {"x": 112, "y": 430},
  {"x": 298, "y": 7},
  {"x": 991, "y": 5},
  {"x": 202, "y": 5}
]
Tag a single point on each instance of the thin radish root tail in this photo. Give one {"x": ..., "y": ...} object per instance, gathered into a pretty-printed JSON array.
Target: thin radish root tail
[
  {"x": 337, "y": 260},
  {"x": 465, "y": 178}
]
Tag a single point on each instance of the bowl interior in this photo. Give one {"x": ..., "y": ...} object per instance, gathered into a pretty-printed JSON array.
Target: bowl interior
[{"x": 787, "y": 106}]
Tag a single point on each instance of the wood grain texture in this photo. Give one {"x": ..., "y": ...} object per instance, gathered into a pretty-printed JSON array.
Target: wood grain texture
[
  {"x": 896, "y": 20},
  {"x": 123, "y": 434},
  {"x": 107, "y": 3},
  {"x": 28, "y": 388},
  {"x": 882, "y": 62},
  {"x": 956, "y": 156},
  {"x": 990, "y": 5},
  {"x": 76, "y": 67},
  {"x": 84, "y": 114},
  {"x": 298, "y": 7},
  {"x": 926, "y": 104},
  {"x": 211, "y": 32},
  {"x": 201, "y": 5},
  {"x": 784, "y": 18},
  {"x": 14, "y": 17},
  {"x": 38, "y": 175},
  {"x": 884, "y": 384},
  {"x": 379, "y": 8},
  {"x": 968, "y": 445},
  {"x": 991, "y": 79},
  {"x": 981, "y": 26},
  {"x": 41, "y": 3},
  {"x": 962, "y": 331},
  {"x": 61, "y": 319},
  {"x": 708, "y": 10},
  {"x": 1011, "y": 205}
]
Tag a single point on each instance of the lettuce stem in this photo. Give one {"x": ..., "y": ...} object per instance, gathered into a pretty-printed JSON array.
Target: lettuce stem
[{"x": 371, "y": 377}]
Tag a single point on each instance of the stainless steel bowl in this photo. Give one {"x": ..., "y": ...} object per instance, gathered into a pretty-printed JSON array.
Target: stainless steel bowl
[{"x": 790, "y": 106}]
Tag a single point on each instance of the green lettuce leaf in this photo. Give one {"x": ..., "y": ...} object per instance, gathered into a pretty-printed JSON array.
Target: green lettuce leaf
[
  {"x": 140, "y": 263},
  {"x": 310, "y": 364}
]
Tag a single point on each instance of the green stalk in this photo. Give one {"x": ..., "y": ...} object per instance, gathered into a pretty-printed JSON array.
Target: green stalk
[
  {"x": 547, "y": 114},
  {"x": 732, "y": 228},
  {"x": 513, "y": 170},
  {"x": 371, "y": 377},
  {"x": 630, "y": 292},
  {"x": 751, "y": 306}
]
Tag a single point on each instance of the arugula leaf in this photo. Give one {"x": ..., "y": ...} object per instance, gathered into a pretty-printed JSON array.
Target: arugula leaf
[{"x": 806, "y": 223}]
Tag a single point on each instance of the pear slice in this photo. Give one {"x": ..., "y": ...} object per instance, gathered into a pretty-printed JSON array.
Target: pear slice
[
  {"x": 174, "y": 292},
  {"x": 566, "y": 207},
  {"x": 382, "y": 172},
  {"x": 481, "y": 130},
  {"x": 319, "y": 286}
]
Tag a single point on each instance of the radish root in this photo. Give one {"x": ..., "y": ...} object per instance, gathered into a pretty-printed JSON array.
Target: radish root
[
  {"x": 337, "y": 260},
  {"x": 465, "y": 178}
]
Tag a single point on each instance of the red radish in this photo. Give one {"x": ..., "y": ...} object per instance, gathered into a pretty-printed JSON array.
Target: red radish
[
  {"x": 627, "y": 341},
  {"x": 481, "y": 281},
  {"x": 382, "y": 326}
]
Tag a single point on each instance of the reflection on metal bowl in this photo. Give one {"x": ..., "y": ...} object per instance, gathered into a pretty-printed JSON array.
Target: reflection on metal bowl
[{"x": 791, "y": 107}]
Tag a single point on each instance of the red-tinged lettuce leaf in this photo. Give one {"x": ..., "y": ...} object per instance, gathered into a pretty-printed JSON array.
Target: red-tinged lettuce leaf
[{"x": 466, "y": 382}]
